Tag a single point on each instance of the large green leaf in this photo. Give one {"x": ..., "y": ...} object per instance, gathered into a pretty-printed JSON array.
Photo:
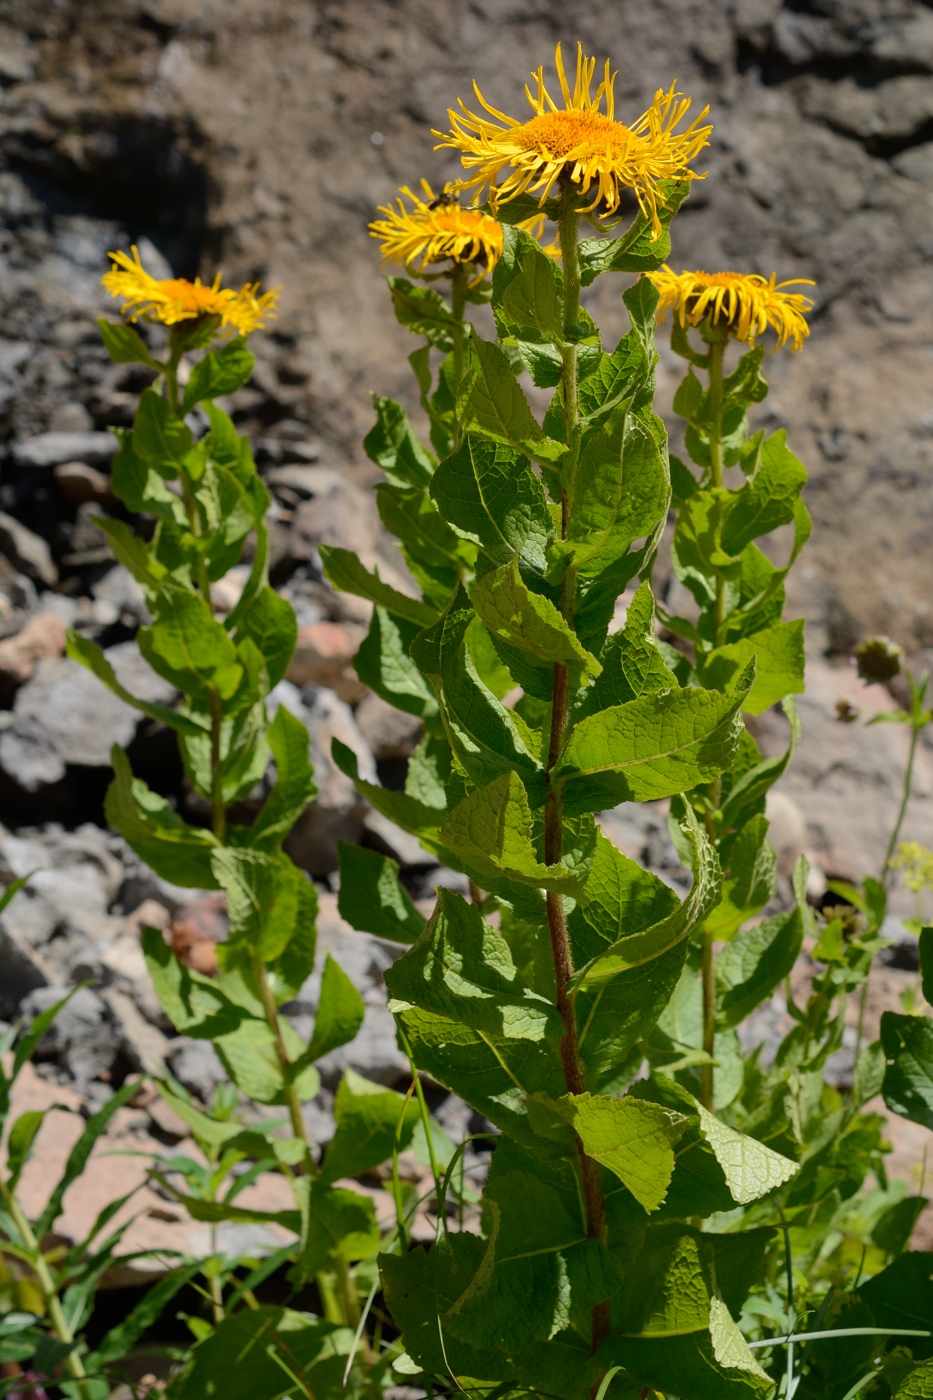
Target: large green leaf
[
  {"x": 766, "y": 501},
  {"x": 423, "y": 311},
  {"x": 393, "y": 445},
  {"x": 491, "y": 403},
  {"x": 531, "y": 623},
  {"x": 174, "y": 850},
  {"x": 622, "y": 490},
  {"x": 605, "y": 906},
  {"x": 489, "y": 830},
  {"x": 371, "y": 1120},
  {"x": 372, "y": 899},
  {"x": 384, "y": 664},
  {"x": 637, "y": 249},
  {"x": 348, "y": 575},
  {"x": 267, "y": 1351},
  {"x": 340, "y": 1012},
  {"x": 187, "y": 646},
  {"x": 901, "y": 1296},
  {"x": 632, "y": 1138},
  {"x": 489, "y": 493},
  {"x": 335, "y": 1221},
  {"x": 908, "y": 1079},
  {"x": 632, "y": 664},
  {"x": 160, "y": 437},
  {"x": 527, "y": 290},
  {"x": 461, "y": 968},
  {"x": 756, "y": 962},
  {"x": 270, "y": 623},
  {"x": 219, "y": 372},
  {"x": 779, "y": 661},
  {"x": 652, "y": 747}
]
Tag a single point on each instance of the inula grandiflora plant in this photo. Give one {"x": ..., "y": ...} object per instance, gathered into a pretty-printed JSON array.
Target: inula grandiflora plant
[{"x": 662, "y": 1213}]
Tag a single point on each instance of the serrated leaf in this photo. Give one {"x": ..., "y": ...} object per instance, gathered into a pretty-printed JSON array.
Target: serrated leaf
[
  {"x": 270, "y": 622},
  {"x": 768, "y": 498},
  {"x": 340, "y": 1012},
  {"x": 187, "y": 646},
  {"x": 490, "y": 832},
  {"x": 491, "y": 403},
  {"x": 344, "y": 570},
  {"x": 632, "y": 1138},
  {"x": 631, "y": 661},
  {"x": 393, "y": 445},
  {"x": 335, "y": 1221},
  {"x": 530, "y": 622},
  {"x": 489, "y": 494},
  {"x": 749, "y": 865},
  {"x": 124, "y": 345},
  {"x": 384, "y": 664},
  {"x": 653, "y": 747},
  {"x": 372, "y": 899},
  {"x": 746, "y": 796},
  {"x": 908, "y": 1080},
  {"x": 461, "y": 968},
  {"x": 160, "y": 437},
  {"x": 631, "y": 949},
  {"x": 175, "y": 851},
  {"x": 636, "y": 250},
  {"x": 755, "y": 964},
  {"x": 751, "y": 1169},
  {"x": 423, "y": 311},
  {"x": 622, "y": 490},
  {"x": 527, "y": 290},
  {"x": 370, "y": 1121},
  {"x": 218, "y": 373},
  {"x": 779, "y": 664},
  {"x": 294, "y": 786}
]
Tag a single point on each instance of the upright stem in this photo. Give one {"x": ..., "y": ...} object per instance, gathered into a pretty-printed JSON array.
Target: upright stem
[
  {"x": 714, "y": 363},
  {"x": 571, "y": 1062},
  {"x": 905, "y": 799}
]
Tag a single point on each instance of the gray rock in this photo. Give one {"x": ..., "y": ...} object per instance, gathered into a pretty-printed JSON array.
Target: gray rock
[
  {"x": 390, "y": 733},
  {"x": 82, "y": 1039},
  {"x": 65, "y": 715},
  {"x": 142, "y": 1043},
  {"x": 28, "y": 552},
  {"x": 196, "y": 1065},
  {"x": 49, "y": 449}
]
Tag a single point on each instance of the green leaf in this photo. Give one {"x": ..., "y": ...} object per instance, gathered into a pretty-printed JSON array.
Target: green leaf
[
  {"x": 768, "y": 497},
  {"x": 384, "y": 664},
  {"x": 348, "y": 575},
  {"x": 370, "y": 1121},
  {"x": 632, "y": 664},
  {"x": 263, "y": 901},
  {"x": 746, "y": 796},
  {"x": 393, "y": 445},
  {"x": 633, "y": 1139},
  {"x": 78, "y": 1156},
  {"x": 406, "y": 811},
  {"x": 267, "y": 1351},
  {"x": 89, "y": 654},
  {"x": 779, "y": 661},
  {"x": 423, "y": 311},
  {"x": 634, "y": 948},
  {"x": 461, "y": 968},
  {"x": 926, "y": 963},
  {"x": 196, "y": 1005},
  {"x": 652, "y": 747},
  {"x": 636, "y": 250},
  {"x": 271, "y": 623},
  {"x": 908, "y": 1079},
  {"x": 120, "y": 1340},
  {"x": 489, "y": 830},
  {"x": 901, "y": 1296},
  {"x": 19, "y": 1143},
  {"x": 335, "y": 1221},
  {"x": 175, "y": 851},
  {"x": 530, "y": 622},
  {"x": 755, "y": 964},
  {"x": 491, "y": 403},
  {"x": 371, "y": 898},
  {"x": 527, "y": 290},
  {"x": 218, "y": 373},
  {"x": 294, "y": 784},
  {"x": 124, "y": 345},
  {"x": 339, "y": 1014},
  {"x": 749, "y": 865},
  {"x": 751, "y": 1169},
  {"x": 487, "y": 738},
  {"x": 918, "y": 1384},
  {"x": 622, "y": 490},
  {"x": 188, "y": 647},
  {"x": 490, "y": 494},
  {"x": 160, "y": 437}
]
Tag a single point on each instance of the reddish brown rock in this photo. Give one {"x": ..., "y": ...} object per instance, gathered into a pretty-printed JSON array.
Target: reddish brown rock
[{"x": 43, "y": 636}]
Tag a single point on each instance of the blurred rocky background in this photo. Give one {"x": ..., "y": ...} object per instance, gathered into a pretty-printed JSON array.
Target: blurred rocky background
[{"x": 258, "y": 136}]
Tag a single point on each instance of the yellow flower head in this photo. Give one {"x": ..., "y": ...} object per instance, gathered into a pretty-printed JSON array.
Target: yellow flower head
[
  {"x": 744, "y": 302},
  {"x": 581, "y": 143},
  {"x": 915, "y": 862},
  {"x": 437, "y": 228},
  {"x": 174, "y": 299}
]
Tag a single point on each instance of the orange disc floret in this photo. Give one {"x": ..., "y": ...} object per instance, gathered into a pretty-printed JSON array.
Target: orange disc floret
[
  {"x": 745, "y": 302},
  {"x": 583, "y": 143},
  {"x": 170, "y": 300}
]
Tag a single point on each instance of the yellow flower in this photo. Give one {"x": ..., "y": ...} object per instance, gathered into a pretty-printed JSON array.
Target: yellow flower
[
  {"x": 174, "y": 299},
  {"x": 437, "y": 228},
  {"x": 916, "y": 864},
  {"x": 745, "y": 302},
  {"x": 581, "y": 143}
]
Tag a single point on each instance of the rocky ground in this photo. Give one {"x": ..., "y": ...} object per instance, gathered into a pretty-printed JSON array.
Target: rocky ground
[{"x": 261, "y": 134}]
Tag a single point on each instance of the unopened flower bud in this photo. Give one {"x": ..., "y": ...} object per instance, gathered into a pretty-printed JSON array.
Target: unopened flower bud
[
  {"x": 846, "y": 712},
  {"x": 878, "y": 660}
]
